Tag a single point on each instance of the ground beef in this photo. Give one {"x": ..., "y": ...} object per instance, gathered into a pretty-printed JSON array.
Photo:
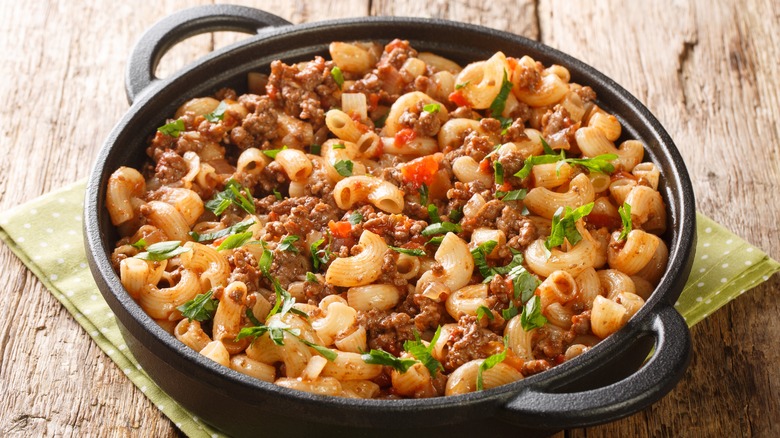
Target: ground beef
[
  {"x": 429, "y": 314},
  {"x": 387, "y": 330},
  {"x": 424, "y": 123},
  {"x": 304, "y": 90},
  {"x": 289, "y": 266},
  {"x": 243, "y": 267},
  {"x": 395, "y": 229},
  {"x": 532, "y": 367},
  {"x": 580, "y": 324},
  {"x": 476, "y": 146},
  {"x": 170, "y": 168},
  {"x": 551, "y": 342},
  {"x": 259, "y": 127},
  {"x": 226, "y": 93},
  {"x": 469, "y": 341},
  {"x": 390, "y": 270},
  {"x": 586, "y": 94},
  {"x": 316, "y": 291},
  {"x": 555, "y": 120},
  {"x": 513, "y": 223},
  {"x": 529, "y": 78},
  {"x": 464, "y": 112},
  {"x": 486, "y": 216},
  {"x": 515, "y": 132}
]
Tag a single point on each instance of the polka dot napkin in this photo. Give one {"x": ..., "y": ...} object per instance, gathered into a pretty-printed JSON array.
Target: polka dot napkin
[{"x": 46, "y": 235}]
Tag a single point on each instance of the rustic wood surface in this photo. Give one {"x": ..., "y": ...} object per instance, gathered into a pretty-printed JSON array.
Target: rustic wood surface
[{"x": 707, "y": 70}]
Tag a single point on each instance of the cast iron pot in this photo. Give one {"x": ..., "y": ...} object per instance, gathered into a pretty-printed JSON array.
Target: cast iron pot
[{"x": 610, "y": 381}]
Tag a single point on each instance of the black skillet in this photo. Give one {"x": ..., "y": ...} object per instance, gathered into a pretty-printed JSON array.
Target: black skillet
[{"x": 610, "y": 381}]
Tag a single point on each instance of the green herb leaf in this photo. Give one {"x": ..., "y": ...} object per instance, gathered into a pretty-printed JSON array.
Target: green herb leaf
[
  {"x": 344, "y": 167},
  {"x": 498, "y": 104},
  {"x": 140, "y": 244},
  {"x": 235, "y": 241},
  {"x": 480, "y": 258},
  {"x": 483, "y": 311},
  {"x": 252, "y": 332},
  {"x": 489, "y": 363},
  {"x": 264, "y": 263},
  {"x": 338, "y": 146},
  {"x": 514, "y": 195},
  {"x": 162, "y": 251},
  {"x": 355, "y": 218},
  {"x": 424, "y": 354},
  {"x": 315, "y": 149},
  {"x": 510, "y": 312},
  {"x": 201, "y": 308},
  {"x": 432, "y": 108},
  {"x": 234, "y": 193},
  {"x": 311, "y": 277},
  {"x": 173, "y": 128},
  {"x": 435, "y": 240},
  {"x": 433, "y": 214},
  {"x": 251, "y": 317},
  {"x": 273, "y": 152},
  {"x": 218, "y": 113},
  {"x": 381, "y": 357},
  {"x": 533, "y": 160},
  {"x": 408, "y": 251},
  {"x": 320, "y": 257},
  {"x": 547, "y": 149},
  {"x": 423, "y": 190},
  {"x": 498, "y": 172},
  {"x": 564, "y": 225},
  {"x": 338, "y": 76},
  {"x": 625, "y": 217},
  {"x": 233, "y": 229},
  {"x": 455, "y": 215},
  {"x": 441, "y": 228},
  {"x": 532, "y": 317},
  {"x": 287, "y": 243},
  {"x": 600, "y": 163},
  {"x": 325, "y": 352},
  {"x": 459, "y": 86}
]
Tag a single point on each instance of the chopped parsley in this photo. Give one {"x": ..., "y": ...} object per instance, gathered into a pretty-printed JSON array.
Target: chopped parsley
[
  {"x": 480, "y": 258},
  {"x": 435, "y": 240},
  {"x": 139, "y": 244},
  {"x": 277, "y": 195},
  {"x": 433, "y": 214},
  {"x": 355, "y": 218},
  {"x": 344, "y": 167},
  {"x": 311, "y": 277},
  {"x": 498, "y": 172},
  {"x": 498, "y": 104},
  {"x": 441, "y": 228},
  {"x": 173, "y": 128},
  {"x": 523, "y": 282},
  {"x": 338, "y": 76},
  {"x": 287, "y": 243},
  {"x": 489, "y": 363},
  {"x": 162, "y": 251},
  {"x": 338, "y": 146},
  {"x": 422, "y": 353},
  {"x": 233, "y": 229},
  {"x": 315, "y": 149},
  {"x": 455, "y": 215},
  {"x": 484, "y": 311},
  {"x": 423, "y": 190},
  {"x": 235, "y": 241},
  {"x": 201, "y": 308},
  {"x": 381, "y": 357},
  {"x": 408, "y": 251},
  {"x": 432, "y": 108},
  {"x": 320, "y": 257},
  {"x": 564, "y": 225},
  {"x": 461, "y": 85},
  {"x": 513, "y": 195},
  {"x": 625, "y": 217},
  {"x": 273, "y": 152},
  {"x": 218, "y": 113},
  {"x": 234, "y": 193},
  {"x": 532, "y": 317}
]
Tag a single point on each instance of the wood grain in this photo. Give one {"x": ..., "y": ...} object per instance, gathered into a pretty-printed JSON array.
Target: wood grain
[{"x": 707, "y": 70}]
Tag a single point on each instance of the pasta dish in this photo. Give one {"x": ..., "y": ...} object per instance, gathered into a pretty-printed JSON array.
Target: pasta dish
[{"x": 390, "y": 224}]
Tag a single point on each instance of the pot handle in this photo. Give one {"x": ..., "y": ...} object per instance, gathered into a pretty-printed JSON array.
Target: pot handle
[
  {"x": 181, "y": 25},
  {"x": 544, "y": 408}
]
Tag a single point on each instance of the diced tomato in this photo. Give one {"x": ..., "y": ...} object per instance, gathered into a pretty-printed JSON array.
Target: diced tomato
[
  {"x": 218, "y": 241},
  {"x": 373, "y": 101},
  {"x": 273, "y": 216},
  {"x": 404, "y": 136},
  {"x": 484, "y": 166},
  {"x": 341, "y": 229},
  {"x": 420, "y": 171},
  {"x": 458, "y": 98},
  {"x": 272, "y": 92},
  {"x": 395, "y": 44},
  {"x": 559, "y": 359}
]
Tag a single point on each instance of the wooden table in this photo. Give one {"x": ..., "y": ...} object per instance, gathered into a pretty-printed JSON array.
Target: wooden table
[{"x": 707, "y": 70}]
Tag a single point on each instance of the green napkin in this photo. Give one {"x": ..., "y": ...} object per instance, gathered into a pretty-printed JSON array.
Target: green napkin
[{"x": 46, "y": 234}]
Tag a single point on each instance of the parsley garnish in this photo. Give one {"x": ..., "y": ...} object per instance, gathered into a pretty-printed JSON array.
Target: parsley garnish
[
  {"x": 276, "y": 333},
  {"x": 483, "y": 311},
  {"x": 355, "y": 218},
  {"x": 344, "y": 167},
  {"x": 433, "y": 214},
  {"x": 408, "y": 251},
  {"x": 320, "y": 257},
  {"x": 315, "y": 149},
  {"x": 564, "y": 225},
  {"x": 422, "y": 353},
  {"x": 599, "y": 163},
  {"x": 533, "y": 160},
  {"x": 423, "y": 190},
  {"x": 532, "y": 317},
  {"x": 201, "y": 308},
  {"x": 140, "y": 244},
  {"x": 441, "y": 228},
  {"x": 173, "y": 128},
  {"x": 251, "y": 317},
  {"x": 432, "y": 108},
  {"x": 218, "y": 113},
  {"x": 546, "y": 146},
  {"x": 234, "y": 193},
  {"x": 381, "y": 357},
  {"x": 235, "y": 241},
  {"x": 455, "y": 215},
  {"x": 497, "y": 107},
  {"x": 233, "y": 229},
  {"x": 277, "y": 195},
  {"x": 498, "y": 172},
  {"x": 461, "y": 85},
  {"x": 338, "y": 146},
  {"x": 625, "y": 217},
  {"x": 311, "y": 278},
  {"x": 480, "y": 258},
  {"x": 489, "y": 363},
  {"x": 335, "y": 72},
  {"x": 514, "y": 195},
  {"x": 287, "y": 243},
  {"x": 510, "y": 312},
  {"x": 435, "y": 240},
  {"x": 162, "y": 251},
  {"x": 273, "y": 152}
]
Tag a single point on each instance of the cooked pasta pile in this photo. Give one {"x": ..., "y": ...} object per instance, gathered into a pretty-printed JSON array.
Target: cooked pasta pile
[{"x": 389, "y": 224}]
